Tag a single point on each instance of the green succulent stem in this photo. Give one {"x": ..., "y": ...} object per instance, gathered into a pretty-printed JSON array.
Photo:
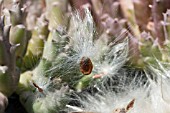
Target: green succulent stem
[
  {"x": 56, "y": 13},
  {"x": 84, "y": 82},
  {"x": 9, "y": 72}
]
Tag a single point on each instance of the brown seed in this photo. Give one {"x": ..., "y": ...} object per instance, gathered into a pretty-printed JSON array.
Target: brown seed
[
  {"x": 39, "y": 89},
  {"x": 130, "y": 105},
  {"x": 119, "y": 110},
  {"x": 86, "y": 65}
]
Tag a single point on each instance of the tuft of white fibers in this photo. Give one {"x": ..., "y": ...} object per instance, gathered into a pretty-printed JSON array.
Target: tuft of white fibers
[
  {"x": 160, "y": 87},
  {"x": 52, "y": 102},
  {"x": 149, "y": 96},
  {"x": 45, "y": 102},
  {"x": 106, "y": 57},
  {"x": 49, "y": 94},
  {"x": 45, "y": 95},
  {"x": 116, "y": 96}
]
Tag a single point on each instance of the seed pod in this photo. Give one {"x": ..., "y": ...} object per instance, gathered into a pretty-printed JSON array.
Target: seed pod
[{"x": 86, "y": 65}]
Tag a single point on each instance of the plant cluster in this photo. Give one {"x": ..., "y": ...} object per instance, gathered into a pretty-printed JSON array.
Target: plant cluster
[{"x": 107, "y": 56}]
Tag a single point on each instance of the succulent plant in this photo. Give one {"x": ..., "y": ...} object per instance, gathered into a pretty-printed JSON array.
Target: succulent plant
[
  {"x": 9, "y": 75},
  {"x": 51, "y": 49}
]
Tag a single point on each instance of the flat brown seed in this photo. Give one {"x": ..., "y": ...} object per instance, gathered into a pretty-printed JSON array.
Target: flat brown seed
[
  {"x": 86, "y": 65},
  {"x": 39, "y": 89},
  {"x": 130, "y": 105}
]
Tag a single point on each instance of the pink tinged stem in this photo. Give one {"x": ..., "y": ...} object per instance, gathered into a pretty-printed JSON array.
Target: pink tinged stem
[
  {"x": 98, "y": 76},
  {"x": 159, "y": 7}
]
